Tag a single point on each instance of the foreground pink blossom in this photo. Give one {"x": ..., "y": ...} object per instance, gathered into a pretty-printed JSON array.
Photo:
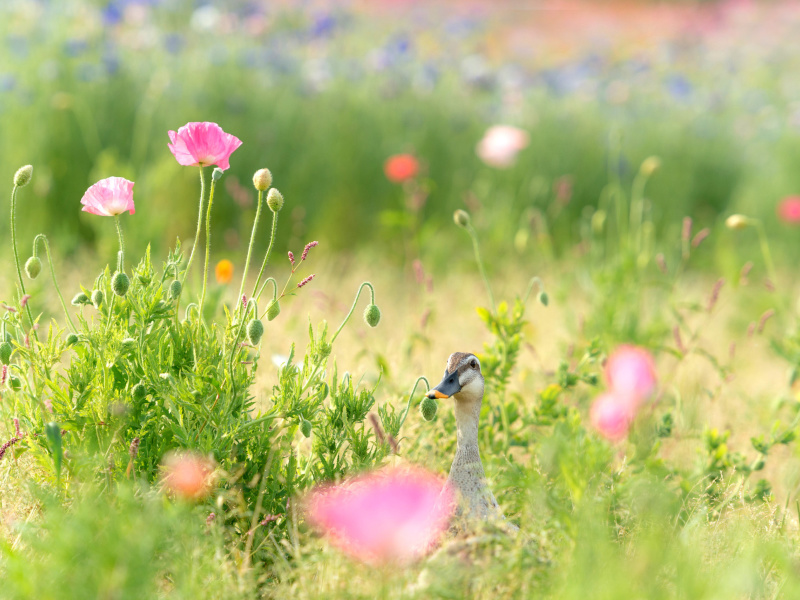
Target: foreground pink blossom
[
  {"x": 612, "y": 414},
  {"x": 789, "y": 210},
  {"x": 395, "y": 515},
  {"x": 188, "y": 476},
  {"x": 203, "y": 144},
  {"x": 109, "y": 197},
  {"x": 501, "y": 144},
  {"x": 630, "y": 372}
]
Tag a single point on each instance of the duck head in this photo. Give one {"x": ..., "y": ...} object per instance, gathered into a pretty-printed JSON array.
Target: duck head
[{"x": 462, "y": 378}]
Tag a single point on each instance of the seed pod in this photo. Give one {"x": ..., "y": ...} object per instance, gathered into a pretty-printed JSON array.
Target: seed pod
[
  {"x": 428, "y": 408},
  {"x": 305, "y": 427},
  {"x": 80, "y": 299},
  {"x": 98, "y": 297},
  {"x": 274, "y": 200},
  {"x": 72, "y": 338},
  {"x": 120, "y": 284},
  {"x": 33, "y": 266},
  {"x": 5, "y": 352},
  {"x": 255, "y": 329},
  {"x": 262, "y": 180},
  {"x": 139, "y": 392},
  {"x": 175, "y": 289},
  {"x": 273, "y": 310},
  {"x": 372, "y": 315}
]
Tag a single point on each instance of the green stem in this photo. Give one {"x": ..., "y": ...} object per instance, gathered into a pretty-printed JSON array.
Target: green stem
[
  {"x": 199, "y": 222},
  {"x": 411, "y": 396},
  {"x": 41, "y": 237},
  {"x": 352, "y": 308},
  {"x": 16, "y": 254},
  {"x": 252, "y": 241},
  {"x": 765, "y": 252},
  {"x": 121, "y": 255},
  {"x": 534, "y": 281},
  {"x": 274, "y": 290},
  {"x": 208, "y": 245},
  {"x": 477, "y": 250},
  {"x": 269, "y": 251}
]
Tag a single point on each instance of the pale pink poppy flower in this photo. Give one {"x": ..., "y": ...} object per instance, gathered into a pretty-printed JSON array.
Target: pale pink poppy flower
[
  {"x": 789, "y": 210},
  {"x": 203, "y": 144},
  {"x": 501, "y": 144},
  {"x": 394, "y": 515},
  {"x": 188, "y": 476},
  {"x": 612, "y": 414},
  {"x": 630, "y": 372},
  {"x": 109, "y": 197}
]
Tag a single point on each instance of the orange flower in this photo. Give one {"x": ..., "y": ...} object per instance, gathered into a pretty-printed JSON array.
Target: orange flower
[
  {"x": 224, "y": 271},
  {"x": 400, "y": 168},
  {"x": 188, "y": 476}
]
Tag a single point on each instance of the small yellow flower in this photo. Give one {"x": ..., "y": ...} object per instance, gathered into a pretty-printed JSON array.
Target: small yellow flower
[{"x": 224, "y": 271}]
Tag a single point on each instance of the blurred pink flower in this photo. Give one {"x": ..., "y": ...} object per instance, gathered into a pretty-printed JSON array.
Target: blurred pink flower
[
  {"x": 612, "y": 414},
  {"x": 188, "y": 476},
  {"x": 501, "y": 144},
  {"x": 630, "y": 372},
  {"x": 203, "y": 144},
  {"x": 394, "y": 515},
  {"x": 401, "y": 167},
  {"x": 789, "y": 210},
  {"x": 109, "y": 197}
]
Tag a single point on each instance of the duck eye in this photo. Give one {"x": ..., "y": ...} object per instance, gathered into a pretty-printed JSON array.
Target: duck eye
[{"x": 474, "y": 364}]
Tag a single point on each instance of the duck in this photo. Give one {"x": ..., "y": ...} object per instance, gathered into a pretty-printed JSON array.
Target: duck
[{"x": 466, "y": 482}]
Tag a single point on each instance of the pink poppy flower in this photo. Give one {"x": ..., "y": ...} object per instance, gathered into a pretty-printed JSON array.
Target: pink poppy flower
[
  {"x": 203, "y": 144},
  {"x": 789, "y": 210},
  {"x": 109, "y": 197},
  {"x": 400, "y": 168},
  {"x": 612, "y": 414},
  {"x": 394, "y": 515},
  {"x": 630, "y": 372},
  {"x": 188, "y": 476},
  {"x": 501, "y": 144}
]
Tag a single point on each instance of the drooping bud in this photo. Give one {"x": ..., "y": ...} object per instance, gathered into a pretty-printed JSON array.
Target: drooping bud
[
  {"x": 305, "y": 427},
  {"x": 5, "y": 352},
  {"x": 23, "y": 176},
  {"x": 216, "y": 174},
  {"x": 120, "y": 283},
  {"x": 273, "y": 310},
  {"x": 255, "y": 329},
  {"x": 72, "y": 338},
  {"x": 33, "y": 266},
  {"x": 544, "y": 299},
  {"x": 262, "y": 180},
  {"x": 80, "y": 299},
  {"x": 175, "y": 289},
  {"x": 372, "y": 315},
  {"x": 461, "y": 218},
  {"x": 737, "y": 222},
  {"x": 274, "y": 200},
  {"x": 428, "y": 408},
  {"x": 98, "y": 297},
  {"x": 139, "y": 392},
  {"x": 650, "y": 165}
]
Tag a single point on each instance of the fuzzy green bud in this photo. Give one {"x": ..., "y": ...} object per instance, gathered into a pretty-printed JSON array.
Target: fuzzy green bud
[
  {"x": 255, "y": 329},
  {"x": 98, "y": 297},
  {"x": 544, "y": 298},
  {"x": 80, "y": 299},
  {"x": 33, "y": 266},
  {"x": 23, "y": 176},
  {"x": 128, "y": 344},
  {"x": 461, "y": 218},
  {"x": 216, "y": 174},
  {"x": 5, "y": 353},
  {"x": 262, "y": 180},
  {"x": 139, "y": 392},
  {"x": 72, "y": 338},
  {"x": 372, "y": 315},
  {"x": 175, "y": 289},
  {"x": 274, "y": 200},
  {"x": 273, "y": 310},
  {"x": 15, "y": 383},
  {"x": 428, "y": 408},
  {"x": 305, "y": 427},
  {"x": 120, "y": 283}
]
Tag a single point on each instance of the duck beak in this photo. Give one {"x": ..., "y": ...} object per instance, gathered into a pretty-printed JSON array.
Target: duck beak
[{"x": 447, "y": 387}]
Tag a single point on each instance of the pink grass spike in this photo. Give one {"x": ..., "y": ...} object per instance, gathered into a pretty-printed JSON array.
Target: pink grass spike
[
  {"x": 308, "y": 247},
  {"x": 203, "y": 144},
  {"x": 306, "y": 280},
  {"x": 612, "y": 414},
  {"x": 291, "y": 257},
  {"x": 109, "y": 197},
  {"x": 395, "y": 515},
  {"x": 631, "y": 373}
]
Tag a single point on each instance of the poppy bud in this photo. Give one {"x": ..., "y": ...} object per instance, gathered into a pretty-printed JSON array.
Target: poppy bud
[
  {"x": 428, "y": 408},
  {"x": 33, "y": 267},
  {"x": 128, "y": 345},
  {"x": 216, "y": 174},
  {"x": 262, "y": 180},
  {"x": 372, "y": 315},
  {"x": 273, "y": 310},
  {"x": 98, "y": 297},
  {"x": 274, "y": 200},
  {"x": 23, "y": 176},
  {"x": 175, "y": 289},
  {"x": 120, "y": 283},
  {"x": 139, "y": 392},
  {"x": 255, "y": 329},
  {"x": 305, "y": 427},
  {"x": 72, "y": 338},
  {"x": 461, "y": 218},
  {"x": 80, "y": 299}
]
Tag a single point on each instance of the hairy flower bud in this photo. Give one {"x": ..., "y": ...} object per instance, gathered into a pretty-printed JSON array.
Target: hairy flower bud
[
  {"x": 650, "y": 165},
  {"x": 33, "y": 266},
  {"x": 139, "y": 392},
  {"x": 461, "y": 218},
  {"x": 72, "y": 338},
  {"x": 216, "y": 174},
  {"x": 23, "y": 176},
  {"x": 120, "y": 283},
  {"x": 128, "y": 344},
  {"x": 80, "y": 299},
  {"x": 372, "y": 315},
  {"x": 305, "y": 427},
  {"x": 98, "y": 297},
  {"x": 175, "y": 289},
  {"x": 262, "y": 180},
  {"x": 428, "y": 408},
  {"x": 255, "y": 329},
  {"x": 544, "y": 298},
  {"x": 5, "y": 352},
  {"x": 274, "y": 200},
  {"x": 737, "y": 222},
  {"x": 273, "y": 310}
]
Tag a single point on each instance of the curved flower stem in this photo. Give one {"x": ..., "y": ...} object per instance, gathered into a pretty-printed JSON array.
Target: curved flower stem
[
  {"x": 208, "y": 245},
  {"x": 352, "y": 308},
  {"x": 269, "y": 251},
  {"x": 121, "y": 254},
  {"x": 477, "y": 250},
  {"x": 411, "y": 396},
  {"x": 535, "y": 281},
  {"x": 41, "y": 237},
  {"x": 252, "y": 241},
  {"x": 274, "y": 291},
  {"x": 16, "y": 254}
]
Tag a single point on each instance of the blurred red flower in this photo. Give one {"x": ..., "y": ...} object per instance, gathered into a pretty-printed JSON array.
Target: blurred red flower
[
  {"x": 789, "y": 210},
  {"x": 401, "y": 167}
]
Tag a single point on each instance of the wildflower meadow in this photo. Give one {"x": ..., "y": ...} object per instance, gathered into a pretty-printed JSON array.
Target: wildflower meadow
[{"x": 399, "y": 299}]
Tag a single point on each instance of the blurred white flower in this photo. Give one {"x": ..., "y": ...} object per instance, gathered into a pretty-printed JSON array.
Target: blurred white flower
[{"x": 501, "y": 144}]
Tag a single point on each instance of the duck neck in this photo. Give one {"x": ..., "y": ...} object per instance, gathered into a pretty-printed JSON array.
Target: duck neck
[{"x": 467, "y": 412}]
